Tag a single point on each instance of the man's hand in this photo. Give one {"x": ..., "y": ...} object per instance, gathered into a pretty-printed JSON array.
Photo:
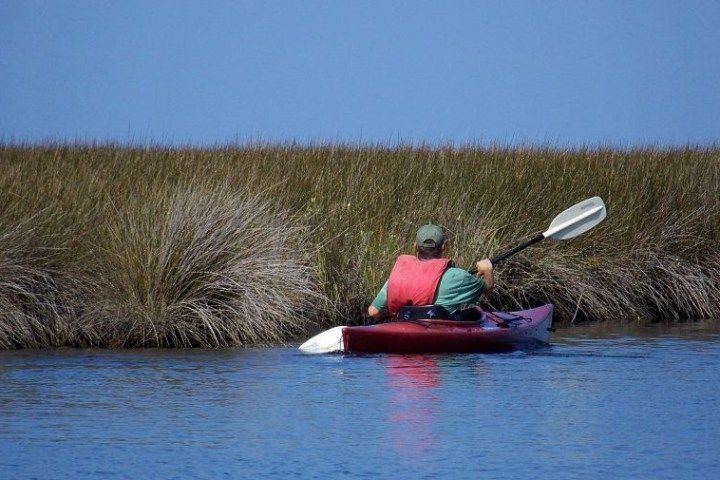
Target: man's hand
[
  {"x": 485, "y": 270},
  {"x": 373, "y": 312},
  {"x": 484, "y": 266}
]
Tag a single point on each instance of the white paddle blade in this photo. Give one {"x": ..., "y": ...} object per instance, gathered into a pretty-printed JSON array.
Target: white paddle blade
[
  {"x": 329, "y": 341},
  {"x": 577, "y": 219}
]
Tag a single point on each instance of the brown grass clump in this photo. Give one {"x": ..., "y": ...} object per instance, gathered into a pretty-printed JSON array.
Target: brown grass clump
[
  {"x": 198, "y": 268},
  {"x": 145, "y": 255},
  {"x": 36, "y": 308}
]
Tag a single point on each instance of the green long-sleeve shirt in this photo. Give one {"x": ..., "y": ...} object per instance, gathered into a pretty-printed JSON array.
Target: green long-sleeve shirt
[{"x": 456, "y": 288}]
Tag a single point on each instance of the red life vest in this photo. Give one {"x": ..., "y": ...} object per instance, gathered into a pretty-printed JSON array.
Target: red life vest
[{"x": 414, "y": 282}]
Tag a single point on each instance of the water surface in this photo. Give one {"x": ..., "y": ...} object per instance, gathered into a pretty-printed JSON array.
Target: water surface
[{"x": 597, "y": 404}]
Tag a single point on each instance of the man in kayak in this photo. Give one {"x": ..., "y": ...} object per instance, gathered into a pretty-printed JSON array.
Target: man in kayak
[{"x": 427, "y": 278}]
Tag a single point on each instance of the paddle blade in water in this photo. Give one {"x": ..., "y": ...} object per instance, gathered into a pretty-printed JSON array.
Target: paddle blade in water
[
  {"x": 577, "y": 219},
  {"x": 329, "y": 341}
]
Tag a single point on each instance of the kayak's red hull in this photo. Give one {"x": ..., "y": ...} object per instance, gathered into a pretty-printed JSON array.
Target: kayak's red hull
[{"x": 445, "y": 336}]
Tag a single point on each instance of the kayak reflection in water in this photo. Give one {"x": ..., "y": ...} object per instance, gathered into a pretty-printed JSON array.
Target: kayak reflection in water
[
  {"x": 427, "y": 278},
  {"x": 417, "y": 404},
  {"x": 413, "y": 406}
]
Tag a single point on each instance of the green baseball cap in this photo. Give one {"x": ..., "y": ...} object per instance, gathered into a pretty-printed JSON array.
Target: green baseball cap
[{"x": 430, "y": 236}]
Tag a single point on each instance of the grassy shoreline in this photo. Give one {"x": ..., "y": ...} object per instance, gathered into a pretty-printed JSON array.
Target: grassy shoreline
[{"x": 118, "y": 246}]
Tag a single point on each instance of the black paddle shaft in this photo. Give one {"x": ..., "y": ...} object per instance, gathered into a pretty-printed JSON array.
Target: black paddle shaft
[{"x": 511, "y": 252}]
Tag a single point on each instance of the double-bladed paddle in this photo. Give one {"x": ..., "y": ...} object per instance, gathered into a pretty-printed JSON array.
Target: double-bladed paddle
[
  {"x": 577, "y": 219},
  {"x": 572, "y": 222}
]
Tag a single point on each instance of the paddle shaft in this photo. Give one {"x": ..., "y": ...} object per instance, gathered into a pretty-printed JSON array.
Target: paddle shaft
[{"x": 499, "y": 258}]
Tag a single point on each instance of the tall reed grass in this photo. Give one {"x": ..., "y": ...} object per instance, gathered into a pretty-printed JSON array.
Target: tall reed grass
[
  {"x": 197, "y": 267},
  {"x": 111, "y": 245}
]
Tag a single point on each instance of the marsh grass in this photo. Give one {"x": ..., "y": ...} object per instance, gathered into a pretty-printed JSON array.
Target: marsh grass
[
  {"x": 35, "y": 306},
  {"x": 198, "y": 267},
  {"x": 122, "y": 246}
]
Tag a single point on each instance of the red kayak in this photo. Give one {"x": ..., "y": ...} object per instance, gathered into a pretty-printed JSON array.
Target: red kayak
[{"x": 492, "y": 332}]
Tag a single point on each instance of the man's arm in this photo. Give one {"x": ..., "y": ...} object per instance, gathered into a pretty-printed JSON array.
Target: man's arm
[
  {"x": 485, "y": 270},
  {"x": 379, "y": 303}
]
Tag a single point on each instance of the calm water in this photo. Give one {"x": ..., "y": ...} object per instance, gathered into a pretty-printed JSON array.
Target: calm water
[{"x": 597, "y": 405}]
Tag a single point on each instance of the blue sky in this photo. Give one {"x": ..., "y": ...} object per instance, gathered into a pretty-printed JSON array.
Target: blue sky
[{"x": 564, "y": 73}]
